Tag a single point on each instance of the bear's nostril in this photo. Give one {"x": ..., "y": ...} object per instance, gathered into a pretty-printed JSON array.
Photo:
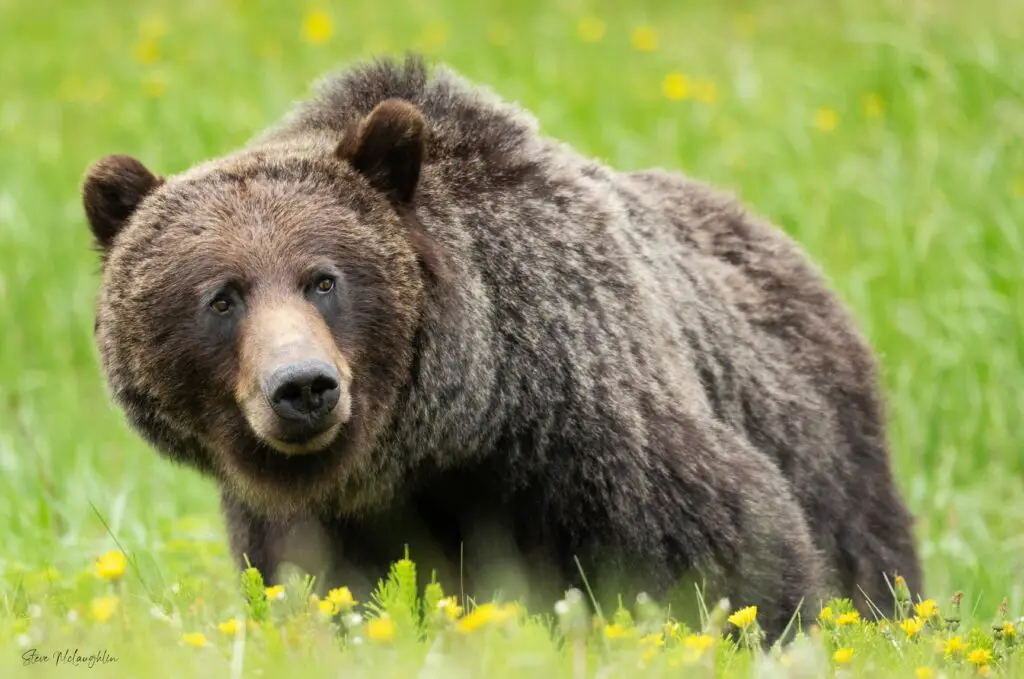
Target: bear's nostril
[
  {"x": 289, "y": 391},
  {"x": 322, "y": 383}
]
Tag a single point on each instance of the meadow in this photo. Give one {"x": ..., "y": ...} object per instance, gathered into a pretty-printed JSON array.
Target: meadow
[{"x": 886, "y": 136}]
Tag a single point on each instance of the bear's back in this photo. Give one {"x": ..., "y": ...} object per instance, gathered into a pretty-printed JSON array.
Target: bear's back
[{"x": 466, "y": 123}]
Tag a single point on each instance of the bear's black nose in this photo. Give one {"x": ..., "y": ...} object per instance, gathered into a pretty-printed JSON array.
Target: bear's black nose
[{"x": 304, "y": 392}]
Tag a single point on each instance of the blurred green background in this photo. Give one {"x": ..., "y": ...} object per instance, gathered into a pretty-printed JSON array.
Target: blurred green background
[{"x": 887, "y": 137}]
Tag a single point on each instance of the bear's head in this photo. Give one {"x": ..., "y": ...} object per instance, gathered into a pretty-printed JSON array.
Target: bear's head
[{"x": 257, "y": 313}]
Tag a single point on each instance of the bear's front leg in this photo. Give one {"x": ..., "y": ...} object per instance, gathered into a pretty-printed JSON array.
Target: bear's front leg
[
  {"x": 337, "y": 552},
  {"x": 269, "y": 544}
]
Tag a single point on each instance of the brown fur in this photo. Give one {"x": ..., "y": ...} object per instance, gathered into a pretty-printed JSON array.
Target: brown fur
[
  {"x": 387, "y": 148},
  {"x": 113, "y": 188},
  {"x": 549, "y": 360}
]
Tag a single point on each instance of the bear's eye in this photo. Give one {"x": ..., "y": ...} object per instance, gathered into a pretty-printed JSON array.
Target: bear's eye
[
  {"x": 220, "y": 305},
  {"x": 325, "y": 285}
]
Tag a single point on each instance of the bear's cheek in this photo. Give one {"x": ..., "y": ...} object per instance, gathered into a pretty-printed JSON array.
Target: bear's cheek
[{"x": 187, "y": 372}]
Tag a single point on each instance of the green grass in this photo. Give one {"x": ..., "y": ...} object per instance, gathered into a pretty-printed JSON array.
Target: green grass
[{"x": 915, "y": 214}]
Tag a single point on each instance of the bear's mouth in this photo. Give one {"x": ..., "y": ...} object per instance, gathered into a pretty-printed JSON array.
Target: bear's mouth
[
  {"x": 268, "y": 465},
  {"x": 305, "y": 440}
]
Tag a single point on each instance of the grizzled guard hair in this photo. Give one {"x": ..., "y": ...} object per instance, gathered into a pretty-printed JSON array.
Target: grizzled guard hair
[{"x": 404, "y": 317}]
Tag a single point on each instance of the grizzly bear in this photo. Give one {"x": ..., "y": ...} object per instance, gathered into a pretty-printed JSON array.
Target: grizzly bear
[{"x": 404, "y": 317}]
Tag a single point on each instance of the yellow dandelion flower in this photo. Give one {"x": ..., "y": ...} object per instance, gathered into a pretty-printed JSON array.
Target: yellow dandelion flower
[
  {"x": 450, "y": 606},
  {"x": 103, "y": 608},
  {"x": 954, "y": 646},
  {"x": 477, "y": 618},
  {"x": 147, "y": 52},
  {"x": 435, "y": 35},
  {"x": 675, "y": 86},
  {"x": 275, "y": 592},
  {"x": 644, "y": 39},
  {"x": 744, "y": 617},
  {"x": 705, "y": 91},
  {"x": 651, "y": 645},
  {"x": 873, "y": 107},
  {"x": 617, "y": 631},
  {"x": 327, "y": 607},
  {"x": 695, "y": 645},
  {"x": 926, "y": 609},
  {"x": 924, "y": 673},
  {"x": 111, "y": 565},
  {"x": 700, "y": 642},
  {"x": 653, "y": 639},
  {"x": 229, "y": 627},
  {"x": 912, "y": 626},
  {"x": 341, "y": 597},
  {"x": 196, "y": 639},
  {"x": 154, "y": 85},
  {"x": 499, "y": 35},
  {"x": 979, "y": 656},
  {"x": 381, "y": 629},
  {"x": 826, "y": 119},
  {"x": 1009, "y": 631},
  {"x": 317, "y": 27},
  {"x": 843, "y": 655},
  {"x": 826, "y": 614},
  {"x": 591, "y": 29},
  {"x": 484, "y": 615},
  {"x": 851, "y": 618}
]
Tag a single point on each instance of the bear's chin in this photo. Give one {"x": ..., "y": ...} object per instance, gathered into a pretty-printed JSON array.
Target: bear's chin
[
  {"x": 312, "y": 446},
  {"x": 274, "y": 476}
]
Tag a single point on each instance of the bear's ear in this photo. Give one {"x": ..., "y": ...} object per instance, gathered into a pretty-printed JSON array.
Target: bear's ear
[
  {"x": 387, "y": 147},
  {"x": 113, "y": 188}
]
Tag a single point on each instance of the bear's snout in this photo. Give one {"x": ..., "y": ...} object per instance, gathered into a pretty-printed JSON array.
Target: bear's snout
[
  {"x": 303, "y": 394},
  {"x": 294, "y": 384}
]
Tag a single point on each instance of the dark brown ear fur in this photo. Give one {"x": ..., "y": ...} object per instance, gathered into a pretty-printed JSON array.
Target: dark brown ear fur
[
  {"x": 113, "y": 188},
  {"x": 387, "y": 147}
]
